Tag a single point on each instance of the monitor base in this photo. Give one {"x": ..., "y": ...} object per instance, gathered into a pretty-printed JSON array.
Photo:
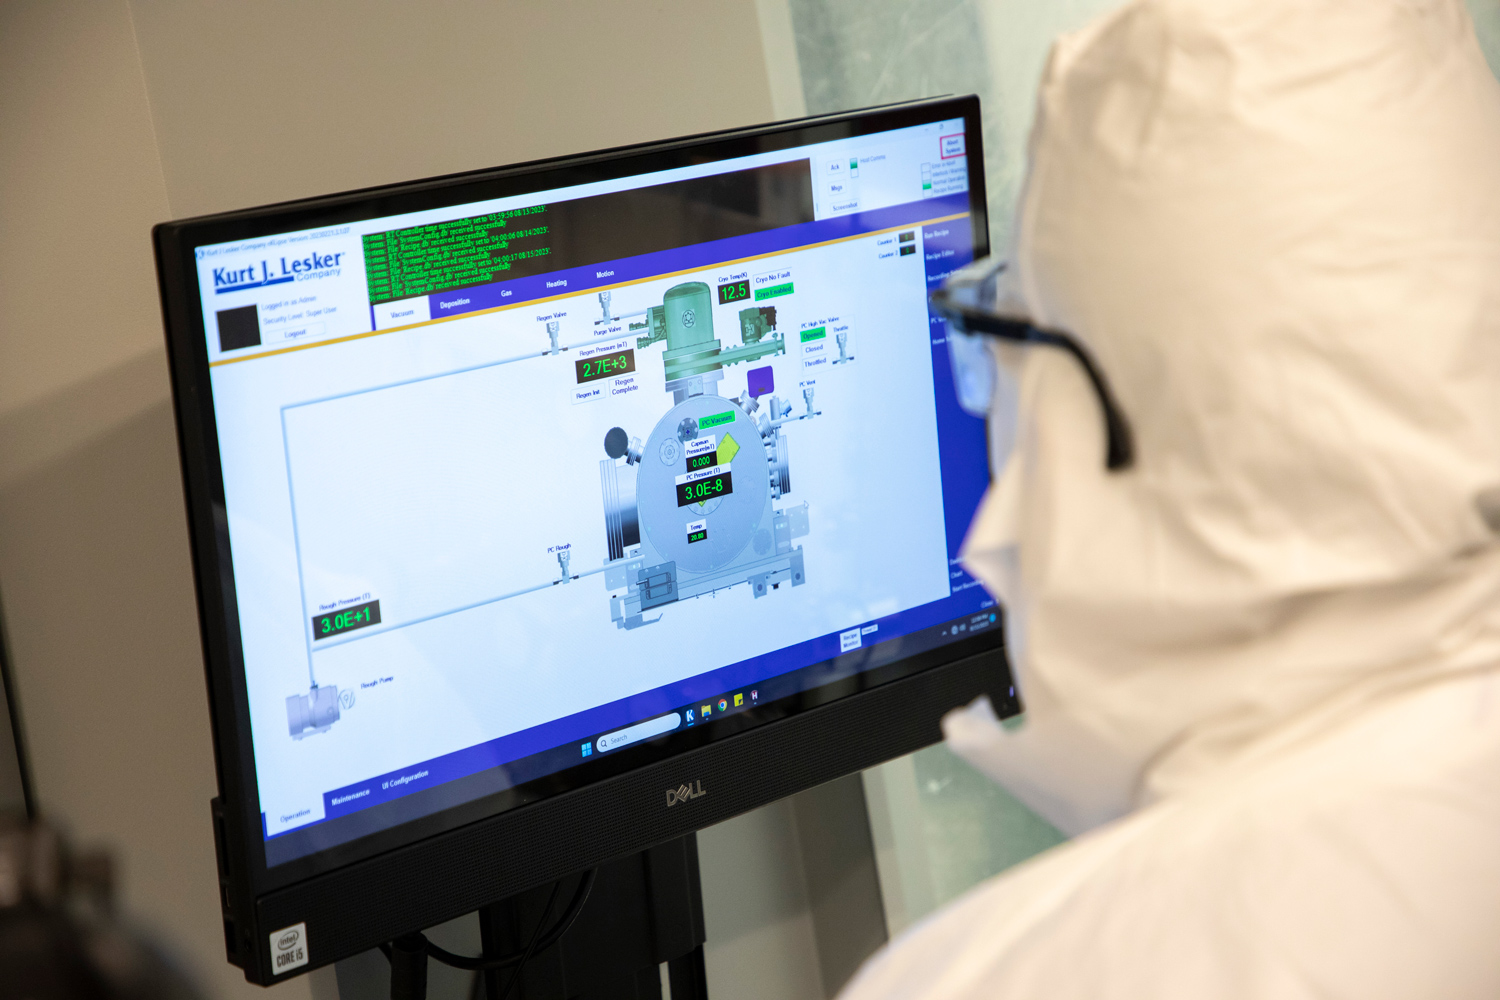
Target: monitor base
[{"x": 645, "y": 909}]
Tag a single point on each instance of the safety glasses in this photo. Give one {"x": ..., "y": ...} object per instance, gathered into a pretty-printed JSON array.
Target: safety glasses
[{"x": 967, "y": 300}]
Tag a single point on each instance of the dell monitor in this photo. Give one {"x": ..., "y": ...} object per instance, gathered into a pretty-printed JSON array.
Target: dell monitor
[{"x": 543, "y": 514}]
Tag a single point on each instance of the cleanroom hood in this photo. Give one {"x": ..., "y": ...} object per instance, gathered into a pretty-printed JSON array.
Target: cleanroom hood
[{"x": 1276, "y": 224}]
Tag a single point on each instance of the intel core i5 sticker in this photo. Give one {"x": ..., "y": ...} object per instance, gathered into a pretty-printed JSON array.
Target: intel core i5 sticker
[{"x": 288, "y": 948}]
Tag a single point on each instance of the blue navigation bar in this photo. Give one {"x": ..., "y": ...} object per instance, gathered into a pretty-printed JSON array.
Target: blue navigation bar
[{"x": 572, "y": 281}]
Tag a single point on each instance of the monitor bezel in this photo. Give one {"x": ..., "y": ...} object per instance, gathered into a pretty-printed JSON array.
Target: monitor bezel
[{"x": 245, "y": 877}]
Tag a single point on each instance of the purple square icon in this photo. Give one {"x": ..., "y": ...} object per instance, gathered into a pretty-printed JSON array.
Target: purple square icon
[{"x": 761, "y": 381}]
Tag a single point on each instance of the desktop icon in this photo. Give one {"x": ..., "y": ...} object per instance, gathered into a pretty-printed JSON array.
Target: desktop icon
[
  {"x": 705, "y": 710},
  {"x": 588, "y": 748},
  {"x": 723, "y": 705},
  {"x": 754, "y": 695},
  {"x": 739, "y": 700},
  {"x": 690, "y": 716}
]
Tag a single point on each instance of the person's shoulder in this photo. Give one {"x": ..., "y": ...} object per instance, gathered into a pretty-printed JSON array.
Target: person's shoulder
[{"x": 1358, "y": 857}]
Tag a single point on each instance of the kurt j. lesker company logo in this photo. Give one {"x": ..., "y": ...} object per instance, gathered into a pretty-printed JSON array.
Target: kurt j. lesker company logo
[
  {"x": 684, "y": 792},
  {"x": 284, "y": 269}
]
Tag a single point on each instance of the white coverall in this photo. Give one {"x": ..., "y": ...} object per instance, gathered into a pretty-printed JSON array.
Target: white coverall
[{"x": 1261, "y": 669}]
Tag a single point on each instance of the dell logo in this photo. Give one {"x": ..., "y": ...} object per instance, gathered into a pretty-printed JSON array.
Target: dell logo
[{"x": 684, "y": 792}]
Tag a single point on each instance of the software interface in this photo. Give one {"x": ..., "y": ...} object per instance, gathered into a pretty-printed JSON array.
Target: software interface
[{"x": 514, "y": 485}]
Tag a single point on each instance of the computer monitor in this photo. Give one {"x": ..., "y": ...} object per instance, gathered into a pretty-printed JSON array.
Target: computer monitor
[{"x": 546, "y": 513}]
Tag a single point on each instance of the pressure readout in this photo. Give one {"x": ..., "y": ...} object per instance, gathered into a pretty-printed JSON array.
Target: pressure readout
[
  {"x": 703, "y": 461},
  {"x": 332, "y": 623},
  {"x": 718, "y": 483},
  {"x": 733, "y": 291},
  {"x": 605, "y": 365}
]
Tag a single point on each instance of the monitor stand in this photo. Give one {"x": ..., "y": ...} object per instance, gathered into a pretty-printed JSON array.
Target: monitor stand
[{"x": 644, "y": 909}]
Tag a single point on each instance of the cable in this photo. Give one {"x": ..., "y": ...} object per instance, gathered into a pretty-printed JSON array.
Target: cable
[
  {"x": 408, "y": 956},
  {"x": 515, "y": 977},
  {"x": 480, "y": 963},
  {"x": 540, "y": 941}
]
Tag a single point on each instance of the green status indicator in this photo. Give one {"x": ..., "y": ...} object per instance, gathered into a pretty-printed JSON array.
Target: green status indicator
[
  {"x": 727, "y": 417},
  {"x": 816, "y": 333},
  {"x": 733, "y": 291},
  {"x": 364, "y": 615},
  {"x": 705, "y": 489},
  {"x": 605, "y": 365},
  {"x": 774, "y": 292}
]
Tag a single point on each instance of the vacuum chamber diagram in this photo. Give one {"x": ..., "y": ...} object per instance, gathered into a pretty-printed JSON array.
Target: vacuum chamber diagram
[
  {"x": 691, "y": 510},
  {"x": 697, "y": 506}
]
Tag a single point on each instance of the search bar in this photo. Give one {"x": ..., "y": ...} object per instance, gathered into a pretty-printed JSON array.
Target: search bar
[{"x": 640, "y": 731}]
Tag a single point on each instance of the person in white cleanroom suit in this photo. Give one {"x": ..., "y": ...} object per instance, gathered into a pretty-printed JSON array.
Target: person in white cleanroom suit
[{"x": 1261, "y": 667}]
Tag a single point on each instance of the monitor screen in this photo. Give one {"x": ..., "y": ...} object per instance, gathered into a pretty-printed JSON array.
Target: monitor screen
[{"x": 519, "y": 482}]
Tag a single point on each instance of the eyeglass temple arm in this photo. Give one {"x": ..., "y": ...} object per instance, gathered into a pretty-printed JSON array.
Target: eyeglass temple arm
[{"x": 1119, "y": 445}]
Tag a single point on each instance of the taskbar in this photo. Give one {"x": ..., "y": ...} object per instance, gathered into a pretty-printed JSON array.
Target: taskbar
[
  {"x": 736, "y": 702},
  {"x": 581, "y": 761}
]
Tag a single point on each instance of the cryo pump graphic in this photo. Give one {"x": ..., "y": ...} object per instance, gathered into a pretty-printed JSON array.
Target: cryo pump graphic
[{"x": 692, "y": 510}]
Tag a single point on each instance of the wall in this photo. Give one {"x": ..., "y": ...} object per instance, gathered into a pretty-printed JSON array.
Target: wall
[
  {"x": 115, "y": 116},
  {"x": 93, "y": 559},
  {"x": 262, "y": 102},
  {"x": 12, "y": 781}
]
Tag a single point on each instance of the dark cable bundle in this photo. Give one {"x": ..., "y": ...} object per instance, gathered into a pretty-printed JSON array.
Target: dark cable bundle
[{"x": 408, "y": 954}]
